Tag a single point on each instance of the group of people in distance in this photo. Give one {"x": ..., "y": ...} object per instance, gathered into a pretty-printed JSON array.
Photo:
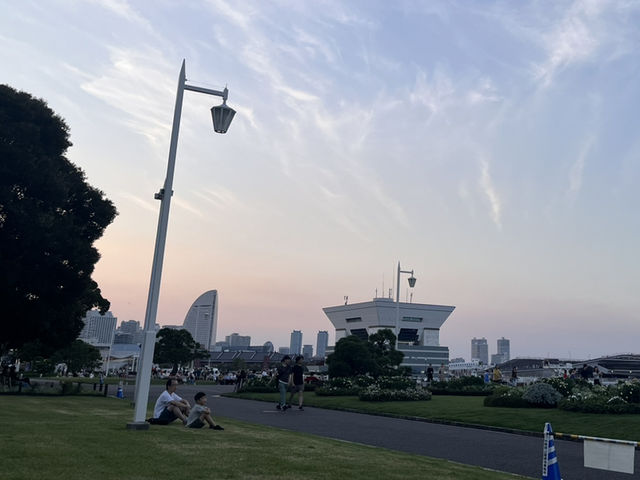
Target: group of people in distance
[
  {"x": 290, "y": 377},
  {"x": 170, "y": 406}
]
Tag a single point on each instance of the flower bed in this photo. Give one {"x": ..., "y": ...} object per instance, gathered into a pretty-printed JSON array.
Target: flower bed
[{"x": 374, "y": 393}]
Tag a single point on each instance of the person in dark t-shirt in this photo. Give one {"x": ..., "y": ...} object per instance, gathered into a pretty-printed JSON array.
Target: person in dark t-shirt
[
  {"x": 284, "y": 380},
  {"x": 298, "y": 381}
]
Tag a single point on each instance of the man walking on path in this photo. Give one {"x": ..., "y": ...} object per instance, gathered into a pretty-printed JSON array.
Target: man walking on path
[
  {"x": 284, "y": 380},
  {"x": 298, "y": 381}
]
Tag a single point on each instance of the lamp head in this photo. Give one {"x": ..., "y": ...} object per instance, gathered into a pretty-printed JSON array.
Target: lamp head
[
  {"x": 412, "y": 281},
  {"x": 222, "y": 116}
]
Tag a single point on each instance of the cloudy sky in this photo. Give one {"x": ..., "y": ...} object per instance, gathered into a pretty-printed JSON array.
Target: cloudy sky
[{"x": 492, "y": 147}]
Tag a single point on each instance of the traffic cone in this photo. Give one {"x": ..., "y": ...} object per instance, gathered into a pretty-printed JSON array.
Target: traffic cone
[
  {"x": 120, "y": 393},
  {"x": 550, "y": 467}
]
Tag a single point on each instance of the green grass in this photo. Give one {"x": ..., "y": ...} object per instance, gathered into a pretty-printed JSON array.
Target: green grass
[
  {"x": 470, "y": 410},
  {"x": 75, "y": 438}
]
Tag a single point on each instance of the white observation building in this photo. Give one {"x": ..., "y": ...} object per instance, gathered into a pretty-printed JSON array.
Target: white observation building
[{"x": 418, "y": 327}]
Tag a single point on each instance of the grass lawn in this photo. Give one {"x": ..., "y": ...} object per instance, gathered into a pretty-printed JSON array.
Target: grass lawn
[
  {"x": 470, "y": 410},
  {"x": 75, "y": 438}
]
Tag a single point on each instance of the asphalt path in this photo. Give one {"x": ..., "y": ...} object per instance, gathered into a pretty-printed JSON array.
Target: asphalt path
[{"x": 506, "y": 452}]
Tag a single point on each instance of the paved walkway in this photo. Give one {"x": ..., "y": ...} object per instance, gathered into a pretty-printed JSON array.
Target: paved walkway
[{"x": 505, "y": 452}]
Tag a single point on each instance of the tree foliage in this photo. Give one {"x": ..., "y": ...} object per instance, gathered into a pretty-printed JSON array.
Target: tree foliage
[
  {"x": 375, "y": 356},
  {"x": 177, "y": 347},
  {"x": 79, "y": 356},
  {"x": 50, "y": 218}
]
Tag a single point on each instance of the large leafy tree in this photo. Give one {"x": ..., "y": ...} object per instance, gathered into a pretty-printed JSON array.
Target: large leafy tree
[
  {"x": 79, "y": 356},
  {"x": 176, "y": 347},
  {"x": 375, "y": 356},
  {"x": 50, "y": 218}
]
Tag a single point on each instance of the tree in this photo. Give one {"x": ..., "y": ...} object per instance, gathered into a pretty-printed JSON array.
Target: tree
[
  {"x": 176, "y": 347},
  {"x": 79, "y": 356},
  {"x": 50, "y": 218},
  {"x": 352, "y": 356},
  {"x": 383, "y": 345},
  {"x": 375, "y": 356}
]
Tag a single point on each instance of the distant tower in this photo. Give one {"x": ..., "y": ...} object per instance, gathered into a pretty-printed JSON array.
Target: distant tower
[
  {"x": 295, "y": 346},
  {"x": 504, "y": 349},
  {"x": 321, "y": 343},
  {"x": 480, "y": 350},
  {"x": 238, "y": 341},
  {"x": 98, "y": 329},
  {"x": 307, "y": 351},
  {"x": 202, "y": 319}
]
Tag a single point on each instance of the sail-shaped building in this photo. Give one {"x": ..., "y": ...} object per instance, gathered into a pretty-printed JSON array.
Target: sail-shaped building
[{"x": 202, "y": 319}]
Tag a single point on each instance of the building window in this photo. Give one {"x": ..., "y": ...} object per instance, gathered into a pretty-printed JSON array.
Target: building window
[
  {"x": 354, "y": 319},
  {"x": 361, "y": 333},
  {"x": 412, "y": 319}
]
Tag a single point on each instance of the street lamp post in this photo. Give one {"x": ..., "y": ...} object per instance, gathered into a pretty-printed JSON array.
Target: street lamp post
[
  {"x": 222, "y": 116},
  {"x": 412, "y": 282}
]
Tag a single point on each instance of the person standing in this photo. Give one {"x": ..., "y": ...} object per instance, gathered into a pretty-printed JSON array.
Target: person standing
[
  {"x": 284, "y": 380},
  {"x": 514, "y": 376},
  {"x": 497, "y": 375},
  {"x": 298, "y": 381},
  {"x": 429, "y": 373}
]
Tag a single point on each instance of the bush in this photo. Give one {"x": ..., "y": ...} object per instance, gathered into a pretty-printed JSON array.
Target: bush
[
  {"x": 542, "y": 395},
  {"x": 395, "y": 383},
  {"x": 563, "y": 386},
  {"x": 458, "y": 383},
  {"x": 466, "y": 386},
  {"x": 335, "y": 391},
  {"x": 630, "y": 392},
  {"x": 506, "y": 397},
  {"x": 259, "y": 385},
  {"x": 373, "y": 393}
]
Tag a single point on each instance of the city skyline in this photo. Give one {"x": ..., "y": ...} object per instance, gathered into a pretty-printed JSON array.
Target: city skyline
[{"x": 491, "y": 148}]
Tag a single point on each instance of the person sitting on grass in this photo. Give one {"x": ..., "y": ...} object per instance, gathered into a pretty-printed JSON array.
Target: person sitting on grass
[
  {"x": 201, "y": 414},
  {"x": 170, "y": 406}
]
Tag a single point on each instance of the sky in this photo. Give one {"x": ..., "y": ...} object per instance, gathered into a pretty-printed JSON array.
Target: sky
[{"x": 490, "y": 147}]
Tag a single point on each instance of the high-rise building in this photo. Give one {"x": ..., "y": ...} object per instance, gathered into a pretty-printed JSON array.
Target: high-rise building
[
  {"x": 235, "y": 340},
  {"x": 98, "y": 329},
  {"x": 321, "y": 343},
  {"x": 307, "y": 351},
  {"x": 504, "y": 349},
  {"x": 480, "y": 350},
  {"x": 202, "y": 319},
  {"x": 295, "y": 346},
  {"x": 129, "y": 326}
]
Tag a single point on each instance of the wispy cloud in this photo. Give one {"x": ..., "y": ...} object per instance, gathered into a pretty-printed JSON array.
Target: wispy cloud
[
  {"x": 141, "y": 202},
  {"x": 575, "y": 39},
  {"x": 486, "y": 183},
  {"x": 436, "y": 94},
  {"x": 577, "y": 169},
  {"x": 136, "y": 84}
]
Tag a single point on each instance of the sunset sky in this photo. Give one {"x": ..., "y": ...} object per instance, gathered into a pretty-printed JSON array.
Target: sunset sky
[{"x": 492, "y": 147}]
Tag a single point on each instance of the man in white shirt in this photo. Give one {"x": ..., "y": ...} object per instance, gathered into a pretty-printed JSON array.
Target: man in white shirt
[{"x": 170, "y": 406}]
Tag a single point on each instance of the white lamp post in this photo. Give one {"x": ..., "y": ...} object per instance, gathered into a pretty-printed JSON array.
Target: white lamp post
[
  {"x": 412, "y": 282},
  {"x": 222, "y": 116}
]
